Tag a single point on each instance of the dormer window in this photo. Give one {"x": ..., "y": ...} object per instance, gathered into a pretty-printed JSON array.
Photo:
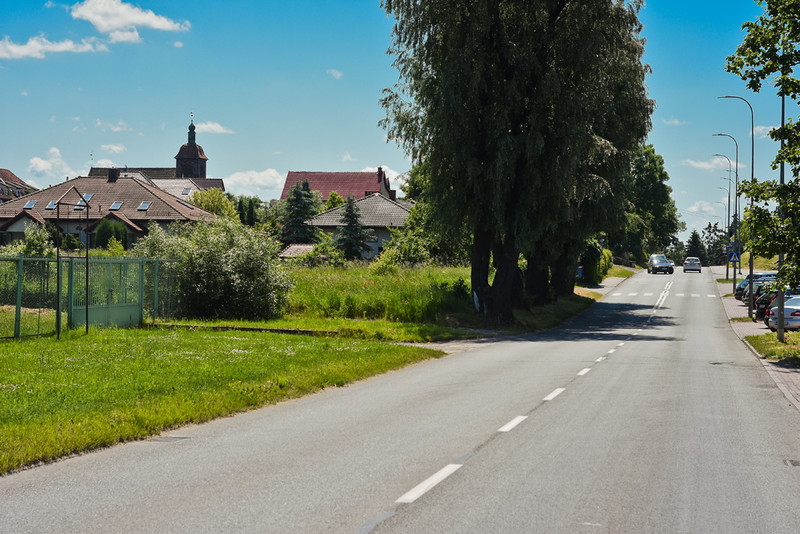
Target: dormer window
[{"x": 29, "y": 205}]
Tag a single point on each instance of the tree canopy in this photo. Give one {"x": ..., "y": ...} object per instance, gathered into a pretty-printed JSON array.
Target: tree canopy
[
  {"x": 215, "y": 201},
  {"x": 299, "y": 207},
  {"x": 352, "y": 238},
  {"x": 769, "y": 50},
  {"x": 525, "y": 114}
]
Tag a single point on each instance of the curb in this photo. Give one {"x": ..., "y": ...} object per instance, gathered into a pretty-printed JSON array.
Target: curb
[{"x": 766, "y": 364}]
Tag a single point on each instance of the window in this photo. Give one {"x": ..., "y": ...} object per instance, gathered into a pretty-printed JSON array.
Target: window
[
  {"x": 186, "y": 204},
  {"x": 116, "y": 205},
  {"x": 186, "y": 191},
  {"x": 51, "y": 205},
  {"x": 144, "y": 205},
  {"x": 29, "y": 204},
  {"x": 82, "y": 203}
]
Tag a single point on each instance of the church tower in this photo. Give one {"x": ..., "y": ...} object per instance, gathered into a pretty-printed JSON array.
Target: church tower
[{"x": 191, "y": 160}]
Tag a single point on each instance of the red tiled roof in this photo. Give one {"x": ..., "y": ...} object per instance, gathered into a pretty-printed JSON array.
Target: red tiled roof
[
  {"x": 12, "y": 179},
  {"x": 356, "y": 184}
]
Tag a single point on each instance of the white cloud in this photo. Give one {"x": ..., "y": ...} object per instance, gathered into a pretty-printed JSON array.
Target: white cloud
[
  {"x": 178, "y": 44},
  {"x": 109, "y": 16},
  {"x": 212, "y": 127},
  {"x": 52, "y": 118},
  {"x": 114, "y": 149},
  {"x": 128, "y": 35},
  {"x": 672, "y": 121},
  {"x": 348, "y": 157},
  {"x": 335, "y": 74},
  {"x": 105, "y": 163},
  {"x": 762, "y": 132},
  {"x": 265, "y": 184},
  {"x": 52, "y": 166},
  {"x": 38, "y": 47},
  {"x": 119, "y": 126},
  {"x": 701, "y": 206},
  {"x": 24, "y": 93},
  {"x": 710, "y": 165}
]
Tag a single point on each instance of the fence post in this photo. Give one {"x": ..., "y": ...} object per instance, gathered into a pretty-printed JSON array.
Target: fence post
[
  {"x": 71, "y": 293},
  {"x": 155, "y": 290},
  {"x": 18, "y": 314},
  {"x": 141, "y": 291}
]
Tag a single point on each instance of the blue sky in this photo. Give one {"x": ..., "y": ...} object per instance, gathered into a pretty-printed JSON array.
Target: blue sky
[{"x": 276, "y": 86}]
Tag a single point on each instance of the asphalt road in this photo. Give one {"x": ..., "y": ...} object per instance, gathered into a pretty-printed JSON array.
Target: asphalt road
[{"x": 644, "y": 414}]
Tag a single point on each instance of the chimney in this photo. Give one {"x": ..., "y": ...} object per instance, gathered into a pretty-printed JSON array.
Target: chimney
[{"x": 113, "y": 175}]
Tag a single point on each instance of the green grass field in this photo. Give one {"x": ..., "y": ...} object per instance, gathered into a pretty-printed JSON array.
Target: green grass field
[{"x": 84, "y": 392}]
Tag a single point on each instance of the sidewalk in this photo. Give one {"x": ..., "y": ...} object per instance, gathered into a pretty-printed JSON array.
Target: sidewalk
[{"x": 786, "y": 378}]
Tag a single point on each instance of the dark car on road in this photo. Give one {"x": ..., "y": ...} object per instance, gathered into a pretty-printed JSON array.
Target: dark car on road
[{"x": 658, "y": 263}]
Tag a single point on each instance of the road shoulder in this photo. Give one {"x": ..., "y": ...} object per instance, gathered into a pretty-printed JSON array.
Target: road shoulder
[{"x": 786, "y": 378}]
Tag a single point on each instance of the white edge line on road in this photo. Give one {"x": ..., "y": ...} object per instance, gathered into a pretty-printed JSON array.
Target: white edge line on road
[
  {"x": 508, "y": 427},
  {"x": 600, "y": 359},
  {"x": 429, "y": 484},
  {"x": 612, "y": 351},
  {"x": 584, "y": 371},
  {"x": 556, "y": 392},
  {"x": 621, "y": 343}
]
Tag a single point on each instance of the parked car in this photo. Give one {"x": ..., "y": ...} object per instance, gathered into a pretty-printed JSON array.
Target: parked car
[
  {"x": 658, "y": 263},
  {"x": 791, "y": 315},
  {"x": 745, "y": 283},
  {"x": 757, "y": 281},
  {"x": 771, "y": 300},
  {"x": 692, "y": 264}
]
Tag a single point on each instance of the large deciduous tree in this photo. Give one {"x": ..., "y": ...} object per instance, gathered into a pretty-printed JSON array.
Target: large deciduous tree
[
  {"x": 522, "y": 112},
  {"x": 770, "y": 50}
]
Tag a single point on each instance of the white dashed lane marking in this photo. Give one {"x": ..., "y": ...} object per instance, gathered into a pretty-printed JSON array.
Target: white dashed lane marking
[
  {"x": 428, "y": 484},
  {"x": 508, "y": 427},
  {"x": 556, "y": 392}
]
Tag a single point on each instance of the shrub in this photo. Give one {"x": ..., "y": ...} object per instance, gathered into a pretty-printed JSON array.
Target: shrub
[
  {"x": 324, "y": 253},
  {"x": 226, "y": 270},
  {"x": 108, "y": 230}
]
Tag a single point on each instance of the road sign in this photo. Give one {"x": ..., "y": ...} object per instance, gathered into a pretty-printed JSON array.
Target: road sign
[{"x": 733, "y": 257}]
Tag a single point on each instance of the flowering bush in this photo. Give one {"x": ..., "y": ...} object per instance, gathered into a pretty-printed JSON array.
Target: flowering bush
[{"x": 227, "y": 270}]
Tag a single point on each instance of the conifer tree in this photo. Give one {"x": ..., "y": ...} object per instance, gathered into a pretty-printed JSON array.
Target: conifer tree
[
  {"x": 352, "y": 239},
  {"x": 298, "y": 209}
]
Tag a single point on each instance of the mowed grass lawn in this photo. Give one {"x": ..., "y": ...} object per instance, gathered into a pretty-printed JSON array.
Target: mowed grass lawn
[{"x": 84, "y": 392}]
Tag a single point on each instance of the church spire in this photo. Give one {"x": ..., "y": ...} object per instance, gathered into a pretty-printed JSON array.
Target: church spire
[{"x": 192, "y": 137}]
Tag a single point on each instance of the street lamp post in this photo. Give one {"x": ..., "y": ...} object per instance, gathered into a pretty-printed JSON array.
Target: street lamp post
[
  {"x": 752, "y": 178},
  {"x": 728, "y": 224},
  {"x": 736, "y": 210}
]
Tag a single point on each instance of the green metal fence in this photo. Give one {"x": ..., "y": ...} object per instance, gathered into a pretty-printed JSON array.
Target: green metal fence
[{"x": 123, "y": 292}]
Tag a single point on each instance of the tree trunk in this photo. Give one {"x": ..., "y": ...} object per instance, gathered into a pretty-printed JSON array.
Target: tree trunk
[
  {"x": 506, "y": 279},
  {"x": 479, "y": 274},
  {"x": 537, "y": 279},
  {"x": 563, "y": 272}
]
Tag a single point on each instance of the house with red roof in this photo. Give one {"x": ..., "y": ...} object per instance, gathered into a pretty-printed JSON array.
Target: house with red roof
[
  {"x": 355, "y": 184},
  {"x": 11, "y": 186},
  {"x": 77, "y": 206}
]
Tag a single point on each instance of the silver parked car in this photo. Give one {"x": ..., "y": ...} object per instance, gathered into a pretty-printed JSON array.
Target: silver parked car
[
  {"x": 791, "y": 315},
  {"x": 692, "y": 264}
]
